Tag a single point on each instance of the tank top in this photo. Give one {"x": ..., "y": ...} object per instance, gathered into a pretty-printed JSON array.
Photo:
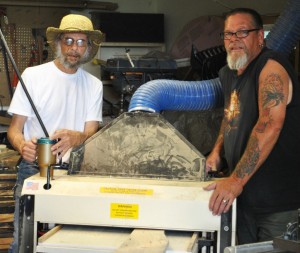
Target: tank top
[{"x": 275, "y": 186}]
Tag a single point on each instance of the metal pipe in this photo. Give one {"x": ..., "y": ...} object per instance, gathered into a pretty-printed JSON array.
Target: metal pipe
[{"x": 23, "y": 84}]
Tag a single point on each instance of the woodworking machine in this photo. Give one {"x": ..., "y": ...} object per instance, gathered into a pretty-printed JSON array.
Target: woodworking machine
[{"x": 138, "y": 173}]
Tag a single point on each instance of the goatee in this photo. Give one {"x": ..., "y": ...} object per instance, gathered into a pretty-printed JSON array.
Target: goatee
[
  {"x": 237, "y": 62},
  {"x": 63, "y": 59}
]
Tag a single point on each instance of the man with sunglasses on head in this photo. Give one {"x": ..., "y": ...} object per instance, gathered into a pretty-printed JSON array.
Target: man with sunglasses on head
[
  {"x": 67, "y": 98},
  {"x": 259, "y": 135}
]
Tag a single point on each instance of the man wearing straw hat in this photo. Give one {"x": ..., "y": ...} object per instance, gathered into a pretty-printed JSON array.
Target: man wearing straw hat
[{"x": 67, "y": 98}]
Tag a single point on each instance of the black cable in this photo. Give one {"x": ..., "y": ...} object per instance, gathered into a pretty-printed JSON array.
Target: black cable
[{"x": 23, "y": 85}]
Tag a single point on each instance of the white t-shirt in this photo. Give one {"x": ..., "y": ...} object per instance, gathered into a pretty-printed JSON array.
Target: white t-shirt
[{"x": 63, "y": 101}]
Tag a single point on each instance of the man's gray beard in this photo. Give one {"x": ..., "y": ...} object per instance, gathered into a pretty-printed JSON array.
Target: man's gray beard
[
  {"x": 238, "y": 62},
  {"x": 63, "y": 60}
]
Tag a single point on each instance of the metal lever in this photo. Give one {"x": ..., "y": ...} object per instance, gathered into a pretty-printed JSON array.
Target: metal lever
[
  {"x": 128, "y": 57},
  {"x": 47, "y": 186}
]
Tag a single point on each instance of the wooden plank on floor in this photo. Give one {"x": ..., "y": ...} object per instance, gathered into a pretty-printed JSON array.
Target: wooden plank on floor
[
  {"x": 4, "y": 218},
  {"x": 6, "y": 185},
  {"x": 5, "y": 241},
  {"x": 8, "y": 178},
  {"x": 6, "y": 193}
]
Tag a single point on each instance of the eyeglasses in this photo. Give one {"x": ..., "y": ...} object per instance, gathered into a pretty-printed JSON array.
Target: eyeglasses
[
  {"x": 71, "y": 41},
  {"x": 238, "y": 34}
]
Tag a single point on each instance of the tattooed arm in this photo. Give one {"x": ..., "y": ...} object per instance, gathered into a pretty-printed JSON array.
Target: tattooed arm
[
  {"x": 275, "y": 92},
  {"x": 274, "y": 89}
]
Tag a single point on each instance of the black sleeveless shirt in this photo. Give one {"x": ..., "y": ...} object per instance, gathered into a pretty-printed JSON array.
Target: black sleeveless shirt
[{"x": 275, "y": 186}]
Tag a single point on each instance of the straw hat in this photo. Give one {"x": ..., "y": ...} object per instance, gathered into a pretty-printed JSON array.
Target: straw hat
[{"x": 74, "y": 23}]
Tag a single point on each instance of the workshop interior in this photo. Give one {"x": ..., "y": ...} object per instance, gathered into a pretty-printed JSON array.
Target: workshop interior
[{"x": 137, "y": 184}]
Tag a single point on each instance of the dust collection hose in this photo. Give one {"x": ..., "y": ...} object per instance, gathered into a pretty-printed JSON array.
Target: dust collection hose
[
  {"x": 158, "y": 95},
  {"x": 285, "y": 33}
]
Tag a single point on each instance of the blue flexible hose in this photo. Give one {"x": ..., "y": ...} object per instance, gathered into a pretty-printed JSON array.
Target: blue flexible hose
[
  {"x": 162, "y": 94},
  {"x": 285, "y": 33}
]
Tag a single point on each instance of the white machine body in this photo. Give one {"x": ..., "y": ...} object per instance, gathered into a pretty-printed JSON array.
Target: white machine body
[{"x": 121, "y": 202}]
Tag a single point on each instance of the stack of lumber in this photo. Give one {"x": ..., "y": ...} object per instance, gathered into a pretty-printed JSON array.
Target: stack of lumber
[{"x": 8, "y": 161}]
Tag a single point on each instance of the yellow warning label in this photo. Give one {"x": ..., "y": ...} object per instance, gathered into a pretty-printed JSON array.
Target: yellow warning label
[
  {"x": 120, "y": 190},
  {"x": 124, "y": 211}
]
